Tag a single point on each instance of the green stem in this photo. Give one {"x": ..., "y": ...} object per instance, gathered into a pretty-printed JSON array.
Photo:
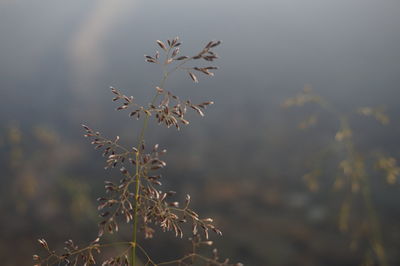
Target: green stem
[
  {"x": 166, "y": 73},
  {"x": 134, "y": 237},
  {"x": 137, "y": 179},
  {"x": 375, "y": 234},
  {"x": 377, "y": 242}
]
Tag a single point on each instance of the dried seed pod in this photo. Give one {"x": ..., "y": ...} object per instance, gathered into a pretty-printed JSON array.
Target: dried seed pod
[
  {"x": 215, "y": 44},
  {"x": 151, "y": 60},
  {"x": 175, "y": 52},
  {"x": 185, "y": 122},
  {"x": 171, "y": 193},
  {"x": 122, "y": 107},
  {"x": 115, "y": 91},
  {"x": 174, "y": 42},
  {"x": 162, "y": 45},
  {"x": 182, "y": 58},
  {"x": 208, "y": 45},
  {"x": 187, "y": 201},
  {"x": 123, "y": 170},
  {"x": 174, "y": 204},
  {"x": 43, "y": 243},
  {"x": 193, "y": 77},
  {"x": 155, "y": 148},
  {"x": 197, "y": 109}
]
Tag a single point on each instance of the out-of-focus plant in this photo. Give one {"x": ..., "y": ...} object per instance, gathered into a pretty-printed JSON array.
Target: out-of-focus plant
[
  {"x": 136, "y": 198},
  {"x": 352, "y": 177}
]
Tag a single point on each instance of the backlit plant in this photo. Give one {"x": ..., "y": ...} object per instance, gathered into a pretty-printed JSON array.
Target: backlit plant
[{"x": 137, "y": 198}]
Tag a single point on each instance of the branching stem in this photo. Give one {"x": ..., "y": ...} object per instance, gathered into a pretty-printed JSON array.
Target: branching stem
[{"x": 166, "y": 73}]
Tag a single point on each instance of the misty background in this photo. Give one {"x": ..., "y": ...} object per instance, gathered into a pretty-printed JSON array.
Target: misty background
[{"x": 243, "y": 163}]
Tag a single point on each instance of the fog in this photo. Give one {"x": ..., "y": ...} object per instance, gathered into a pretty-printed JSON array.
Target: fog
[{"x": 347, "y": 50}]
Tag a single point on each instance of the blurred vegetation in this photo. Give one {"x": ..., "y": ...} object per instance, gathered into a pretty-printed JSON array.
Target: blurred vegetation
[
  {"x": 358, "y": 216},
  {"x": 319, "y": 180}
]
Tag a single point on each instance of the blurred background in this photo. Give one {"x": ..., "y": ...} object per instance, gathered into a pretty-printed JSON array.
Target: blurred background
[{"x": 267, "y": 174}]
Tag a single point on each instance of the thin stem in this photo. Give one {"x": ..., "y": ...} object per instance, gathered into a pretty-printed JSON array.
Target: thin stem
[
  {"x": 136, "y": 210},
  {"x": 59, "y": 258},
  {"x": 375, "y": 234},
  {"x": 149, "y": 260},
  {"x": 377, "y": 242},
  {"x": 137, "y": 185},
  {"x": 192, "y": 256},
  {"x": 176, "y": 261},
  {"x": 139, "y": 151},
  {"x": 166, "y": 74}
]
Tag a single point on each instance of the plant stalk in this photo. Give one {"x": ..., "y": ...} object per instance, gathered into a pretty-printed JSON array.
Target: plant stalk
[
  {"x": 138, "y": 153},
  {"x": 137, "y": 179}
]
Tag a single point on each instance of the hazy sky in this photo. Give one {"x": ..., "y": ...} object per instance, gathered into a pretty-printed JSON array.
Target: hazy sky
[{"x": 348, "y": 50}]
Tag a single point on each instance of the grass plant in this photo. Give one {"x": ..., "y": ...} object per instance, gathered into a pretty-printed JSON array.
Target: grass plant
[
  {"x": 358, "y": 216},
  {"x": 137, "y": 198}
]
